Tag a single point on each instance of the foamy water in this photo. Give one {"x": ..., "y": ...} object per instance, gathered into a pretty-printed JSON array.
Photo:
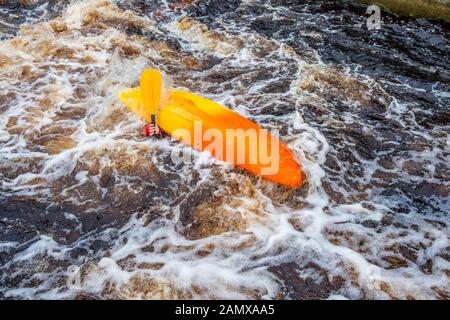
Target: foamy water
[{"x": 90, "y": 208}]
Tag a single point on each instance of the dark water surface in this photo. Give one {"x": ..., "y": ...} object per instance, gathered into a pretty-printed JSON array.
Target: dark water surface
[{"x": 89, "y": 208}]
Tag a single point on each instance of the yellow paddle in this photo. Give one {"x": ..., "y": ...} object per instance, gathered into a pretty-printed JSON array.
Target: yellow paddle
[{"x": 151, "y": 83}]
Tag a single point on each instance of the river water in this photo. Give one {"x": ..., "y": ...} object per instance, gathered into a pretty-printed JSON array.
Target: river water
[{"x": 90, "y": 209}]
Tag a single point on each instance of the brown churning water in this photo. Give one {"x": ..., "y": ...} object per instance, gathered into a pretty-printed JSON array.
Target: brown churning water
[{"x": 90, "y": 208}]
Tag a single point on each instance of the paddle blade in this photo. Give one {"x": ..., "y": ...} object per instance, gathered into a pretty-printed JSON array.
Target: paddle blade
[
  {"x": 131, "y": 98},
  {"x": 151, "y": 84}
]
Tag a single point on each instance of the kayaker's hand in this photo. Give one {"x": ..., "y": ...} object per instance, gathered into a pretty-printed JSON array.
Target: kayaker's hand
[{"x": 152, "y": 130}]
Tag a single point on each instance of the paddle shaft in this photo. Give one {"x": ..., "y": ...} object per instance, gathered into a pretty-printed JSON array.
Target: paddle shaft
[{"x": 153, "y": 117}]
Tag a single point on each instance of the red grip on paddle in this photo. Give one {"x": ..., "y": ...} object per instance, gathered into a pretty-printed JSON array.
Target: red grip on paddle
[{"x": 147, "y": 130}]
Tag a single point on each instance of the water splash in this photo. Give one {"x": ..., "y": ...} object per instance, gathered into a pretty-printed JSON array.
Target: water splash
[{"x": 92, "y": 209}]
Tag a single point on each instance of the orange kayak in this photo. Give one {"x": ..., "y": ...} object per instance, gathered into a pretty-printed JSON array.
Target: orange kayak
[{"x": 228, "y": 136}]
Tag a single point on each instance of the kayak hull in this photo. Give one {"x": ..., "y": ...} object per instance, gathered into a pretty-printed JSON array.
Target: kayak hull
[{"x": 228, "y": 136}]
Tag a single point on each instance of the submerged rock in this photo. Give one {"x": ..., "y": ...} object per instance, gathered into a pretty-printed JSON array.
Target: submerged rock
[{"x": 309, "y": 287}]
